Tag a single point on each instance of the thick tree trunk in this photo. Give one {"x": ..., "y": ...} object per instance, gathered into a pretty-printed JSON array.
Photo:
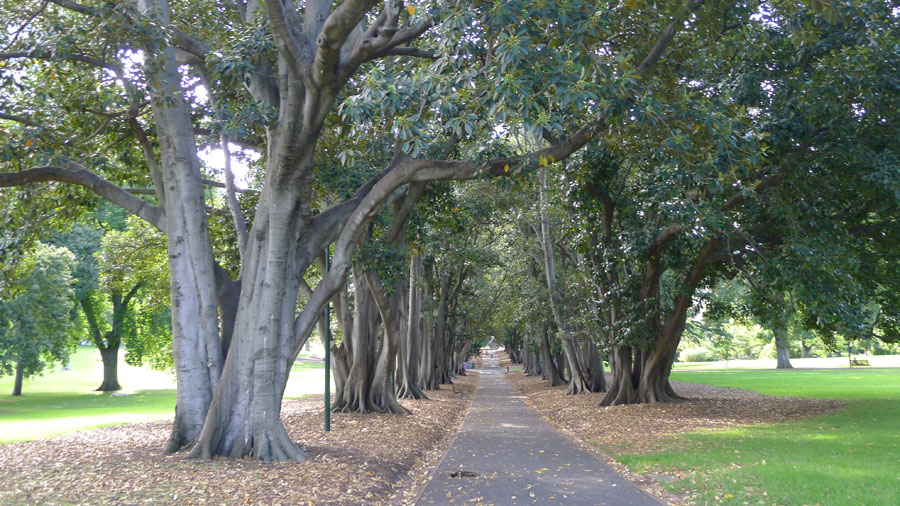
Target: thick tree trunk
[
  {"x": 621, "y": 389},
  {"x": 595, "y": 379},
  {"x": 577, "y": 381},
  {"x": 408, "y": 386},
  {"x": 461, "y": 355},
  {"x": 782, "y": 348},
  {"x": 527, "y": 363},
  {"x": 355, "y": 394},
  {"x": 656, "y": 363},
  {"x": 381, "y": 391},
  {"x": 196, "y": 346},
  {"x": 244, "y": 416},
  {"x": 110, "y": 357},
  {"x": 17, "y": 383},
  {"x": 441, "y": 372},
  {"x": 341, "y": 355},
  {"x": 562, "y": 366},
  {"x": 548, "y": 368},
  {"x": 532, "y": 361},
  {"x": 642, "y": 376}
]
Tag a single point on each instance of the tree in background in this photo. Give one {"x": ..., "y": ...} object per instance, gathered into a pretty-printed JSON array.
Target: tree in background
[
  {"x": 773, "y": 165},
  {"x": 36, "y": 320},
  {"x": 116, "y": 258}
]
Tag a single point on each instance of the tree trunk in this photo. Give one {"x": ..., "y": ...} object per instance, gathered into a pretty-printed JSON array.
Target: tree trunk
[
  {"x": 408, "y": 386},
  {"x": 17, "y": 384},
  {"x": 595, "y": 379},
  {"x": 461, "y": 355},
  {"x": 642, "y": 376},
  {"x": 440, "y": 332},
  {"x": 782, "y": 348},
  {"x": 110, "y": 357},
  {"x": 196, "y": 347},
  {"x": 577, "y": 382},
  {"x": 244, "y": 416},
  {"x": 354, "y": 396},
  {"x": 548, "y": 368},
  {"x": 804, "y": 349},
  {"x": 381, "y": 391}
]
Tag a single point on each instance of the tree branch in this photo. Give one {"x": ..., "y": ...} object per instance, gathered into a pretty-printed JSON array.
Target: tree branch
[
  {"x": 407, "y": 51},
  {"x": 19, "y": 119},
  {"x": 72, "y": 6},
  {"x": 643, "y": 70},
  {"x": 292, "y": 44},
  {"x": 334, "y": 34},
  {"x": 389, "y": 46},
  {"x": 77, "y": 174},
  {"x": 43, "y": 55}
]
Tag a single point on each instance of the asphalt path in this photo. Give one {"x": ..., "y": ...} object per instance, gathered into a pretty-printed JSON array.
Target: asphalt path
[{"x": 505, "y": 454}]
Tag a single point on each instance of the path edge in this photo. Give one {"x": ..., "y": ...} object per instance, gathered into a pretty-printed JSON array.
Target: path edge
[
  {"x": 645, "y": 484},
  {"x": 446, "y": 451}
]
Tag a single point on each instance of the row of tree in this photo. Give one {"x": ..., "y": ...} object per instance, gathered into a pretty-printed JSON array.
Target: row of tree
[{"x": 641, "y": 152}]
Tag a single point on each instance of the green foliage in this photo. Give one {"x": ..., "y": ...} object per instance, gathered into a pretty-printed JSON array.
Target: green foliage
[
  {"x": 695, "y": 355},
  {"x": 35, "y": 316}
]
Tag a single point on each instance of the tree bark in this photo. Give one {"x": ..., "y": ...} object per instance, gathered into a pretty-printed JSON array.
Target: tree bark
[
  {"x": 428, "y": 380},
  {"x": 804, "y": 349},
  {"x": 408, "y": 387},
  {"x": 782, "y": 348},
  {"x": 354, "y": 396},
  {"x": 595, "y": 378},
  {"x": 381, "y": 391},
  {"x": 17, "y": 383},
  {"x": 110, "y": 357},
  {"x": 548, "y": 367}
]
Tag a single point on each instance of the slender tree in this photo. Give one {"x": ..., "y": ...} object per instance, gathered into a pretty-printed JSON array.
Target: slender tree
[{"x": 35, "y": 315}]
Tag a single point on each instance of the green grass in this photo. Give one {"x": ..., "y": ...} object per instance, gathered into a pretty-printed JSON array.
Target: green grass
[
  {"x": 799, "y": 363},
  {"x": 63, "y": 401},
  {"x": 848, "y": 457}
]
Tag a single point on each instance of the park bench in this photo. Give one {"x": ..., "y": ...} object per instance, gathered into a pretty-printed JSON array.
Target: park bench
[{"x": 858, "y": 363}]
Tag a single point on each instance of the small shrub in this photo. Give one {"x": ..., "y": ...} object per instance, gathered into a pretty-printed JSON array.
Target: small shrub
[
  {"x": 696, "y": 355},
  {"x": 887, "y": 349}
]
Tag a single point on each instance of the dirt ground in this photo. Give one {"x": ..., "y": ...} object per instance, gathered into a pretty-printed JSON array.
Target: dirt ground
[
  {"x": 640, "y": 428},
  {"x": 365, "y": 459}
]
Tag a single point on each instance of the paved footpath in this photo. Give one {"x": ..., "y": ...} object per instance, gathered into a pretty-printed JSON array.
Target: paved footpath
[{"x": 505, "y": 454}]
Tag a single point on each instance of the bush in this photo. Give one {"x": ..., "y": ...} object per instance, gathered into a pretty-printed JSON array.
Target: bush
[
  {"x": 884, "y": 349},
  {"x": 768, "y": 351},
  {"x": 696, "y": 355}
]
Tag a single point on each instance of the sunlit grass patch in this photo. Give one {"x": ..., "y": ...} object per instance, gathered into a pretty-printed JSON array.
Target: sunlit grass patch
[{"x": 848, "y": 457}]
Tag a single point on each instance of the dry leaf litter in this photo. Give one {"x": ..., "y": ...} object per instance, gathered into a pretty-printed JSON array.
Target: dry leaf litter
[
  {"x": 365, "y": 459},
  {"x": 640, "y": 428}
]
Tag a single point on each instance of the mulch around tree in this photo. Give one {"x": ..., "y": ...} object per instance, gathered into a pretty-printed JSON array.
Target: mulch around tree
[
  {"x": 640, "y": 428},
  {"x": 365, "y": 459}
]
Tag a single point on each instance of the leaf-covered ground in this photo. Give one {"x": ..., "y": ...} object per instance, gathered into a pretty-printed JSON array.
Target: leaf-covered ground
[
  {"x": 640, "y": 428},
  {"x": 365, "y": 459}
]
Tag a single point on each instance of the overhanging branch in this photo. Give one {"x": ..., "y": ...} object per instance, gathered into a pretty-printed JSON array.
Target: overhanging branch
[{"x": 77, "y": 174}]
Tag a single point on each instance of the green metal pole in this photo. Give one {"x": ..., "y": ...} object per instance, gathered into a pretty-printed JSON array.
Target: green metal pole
[{"x": 327, "y": 350}]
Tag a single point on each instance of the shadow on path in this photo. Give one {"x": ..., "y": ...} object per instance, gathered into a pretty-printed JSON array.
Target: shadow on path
[{"x": 505, "y": 454}]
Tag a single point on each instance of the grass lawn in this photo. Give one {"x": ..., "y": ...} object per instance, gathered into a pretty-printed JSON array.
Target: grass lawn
[
  {"x": 848, "y": 457},
  {"x": 63, "y": 401},
  {"x": 798, "y": 363}
]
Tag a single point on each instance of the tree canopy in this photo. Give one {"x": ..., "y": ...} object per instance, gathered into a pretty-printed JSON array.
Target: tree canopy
[{"x": 658, "y": 147}]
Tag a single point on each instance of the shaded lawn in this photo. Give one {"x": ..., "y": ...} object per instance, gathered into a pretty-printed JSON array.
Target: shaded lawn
[
  {"x": 876, "y": 361},
  {"x": 848, "y": 457},
  {"x": 63, "y": 401}
]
